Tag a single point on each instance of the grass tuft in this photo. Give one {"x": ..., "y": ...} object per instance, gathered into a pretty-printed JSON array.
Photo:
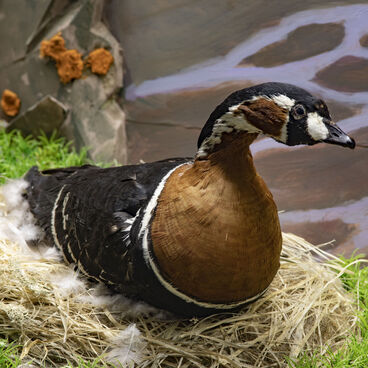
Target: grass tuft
[
  {"x": 355, "y": 353},
  {"x": 19, "y": 154},
  {"x": 9, "y": 354}
]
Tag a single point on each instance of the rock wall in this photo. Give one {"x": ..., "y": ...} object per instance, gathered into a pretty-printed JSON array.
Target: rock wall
[{"x": 83, "y": 110}]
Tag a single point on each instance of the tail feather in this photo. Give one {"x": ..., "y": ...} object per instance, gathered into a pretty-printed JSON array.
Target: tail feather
[{"x": 41, "y": 194}]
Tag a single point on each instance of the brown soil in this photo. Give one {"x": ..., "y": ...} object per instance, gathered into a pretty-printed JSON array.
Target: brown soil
[
  {"x": 99, "y": 61},
  {"x": 10, "y": 103}
]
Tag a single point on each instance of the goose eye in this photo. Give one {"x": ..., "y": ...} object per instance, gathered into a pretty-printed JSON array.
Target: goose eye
[{"x": 299, "y": 112}]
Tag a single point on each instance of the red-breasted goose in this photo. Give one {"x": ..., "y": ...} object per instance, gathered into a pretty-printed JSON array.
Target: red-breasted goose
[{"x": 193, "y": 236}]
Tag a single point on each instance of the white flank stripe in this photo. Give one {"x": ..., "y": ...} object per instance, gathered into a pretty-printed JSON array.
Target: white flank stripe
[
  {"x": 144, "y": 230},
  {"x": 130, "y": 220},
  {"x": 80, "y": 266},
  {"x": 71, "y": 253},
  {"x": 53, "y": 229},
  {"x": 127, "y": 229},
  {"x": 65, "y": 217}
]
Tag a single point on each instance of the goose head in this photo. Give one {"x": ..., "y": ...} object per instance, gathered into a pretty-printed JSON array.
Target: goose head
[{"x": 284, "y": 112}]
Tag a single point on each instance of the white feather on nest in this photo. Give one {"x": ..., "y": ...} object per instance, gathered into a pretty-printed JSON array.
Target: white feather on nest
[{"x": 58, "y": 316}]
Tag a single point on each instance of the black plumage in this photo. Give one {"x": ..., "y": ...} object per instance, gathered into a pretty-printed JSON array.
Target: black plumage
[
  {"x": 94, "y": 227},
  {"x": 92, "y": 209}
]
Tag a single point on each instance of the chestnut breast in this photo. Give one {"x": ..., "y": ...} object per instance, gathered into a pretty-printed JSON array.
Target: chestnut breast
[{"x": 216, "y": 238}]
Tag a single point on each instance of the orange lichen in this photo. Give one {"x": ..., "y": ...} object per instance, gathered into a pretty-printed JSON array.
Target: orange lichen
[
  {"x": 69, "y": 63},
  {"x": 99, "y": 61},
  {"x": 10, "y": 103},
  {"x": 53, "y": 48},
  {"x": 69, "y": 66}
]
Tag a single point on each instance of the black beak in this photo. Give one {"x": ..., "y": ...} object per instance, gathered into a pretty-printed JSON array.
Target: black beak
[{"x": 337, "y": 136}]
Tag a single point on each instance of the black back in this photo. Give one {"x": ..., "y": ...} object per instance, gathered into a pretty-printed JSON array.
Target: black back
[{"x": 91, "y": 206}]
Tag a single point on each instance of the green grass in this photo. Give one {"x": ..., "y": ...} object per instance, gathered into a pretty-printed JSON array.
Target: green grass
[
  {"x": 18, "y": 154},
  {"x": 355, "y": 353},
  {"x": 9, "y": 355}
]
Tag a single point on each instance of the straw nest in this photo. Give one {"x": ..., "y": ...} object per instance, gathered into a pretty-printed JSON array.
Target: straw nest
[{"x": 58, "y": 317}]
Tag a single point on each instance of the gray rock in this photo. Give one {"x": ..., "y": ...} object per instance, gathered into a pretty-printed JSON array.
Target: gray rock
[
  {"x": 90, "y": 100},
  {"x": 108, "y": 130},
  {"x": 14, "y": 29},
  {"x": 45, "y": 116}
]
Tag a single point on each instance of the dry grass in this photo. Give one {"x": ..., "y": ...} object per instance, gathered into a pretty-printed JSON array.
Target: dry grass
[{"x": 306, "y": 308}]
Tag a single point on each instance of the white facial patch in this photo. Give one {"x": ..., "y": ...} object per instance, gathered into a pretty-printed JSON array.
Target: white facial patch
[
  {"x": 283, "y": 101},
  {"x": 315, "y": 127}
]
